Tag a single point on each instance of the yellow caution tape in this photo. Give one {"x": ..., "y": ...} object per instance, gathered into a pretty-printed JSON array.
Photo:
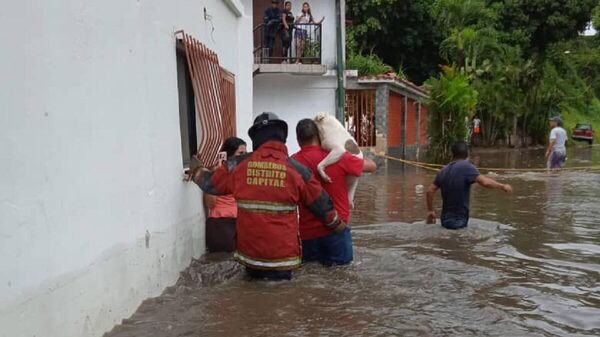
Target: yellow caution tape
[{"x": 436, "y": 167}]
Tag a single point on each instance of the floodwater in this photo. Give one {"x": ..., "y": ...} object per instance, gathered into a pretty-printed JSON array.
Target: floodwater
[{"x": 528, "y": 265}]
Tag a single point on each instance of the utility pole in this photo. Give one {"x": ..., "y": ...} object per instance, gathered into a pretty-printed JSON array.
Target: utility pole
[{"x": 340, "y": 92}]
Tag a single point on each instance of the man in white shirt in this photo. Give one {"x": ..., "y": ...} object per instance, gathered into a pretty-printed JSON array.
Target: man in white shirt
[{"x": 556, "y": 154}]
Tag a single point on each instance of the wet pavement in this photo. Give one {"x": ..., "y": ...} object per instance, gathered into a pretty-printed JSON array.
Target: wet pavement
[{"x": 528, "y": 265}]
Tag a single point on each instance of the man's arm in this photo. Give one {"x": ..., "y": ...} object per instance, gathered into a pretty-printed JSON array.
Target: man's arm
[
  {"x": 284, "y": 21},
  {"x": 491, "y": 183},
  {"x": 369, "y": 166},
  {"x": 430, "y": 194},
  {"x": 355, "y": 166},
  {"x": 215, "y": 182},
  {"x": 209, "y": 200}
]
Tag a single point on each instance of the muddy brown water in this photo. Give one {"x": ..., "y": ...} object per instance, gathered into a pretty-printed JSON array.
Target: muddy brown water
[{"x": 528, "y": 265}]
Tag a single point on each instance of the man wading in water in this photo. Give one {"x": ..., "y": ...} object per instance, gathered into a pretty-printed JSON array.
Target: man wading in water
[
  {"x": 455, "y": 180},
  {"x": 556, "y": 154}
]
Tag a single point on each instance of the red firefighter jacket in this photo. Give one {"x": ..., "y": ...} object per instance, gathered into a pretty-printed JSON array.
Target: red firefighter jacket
[{"x": 268, "y": 187}]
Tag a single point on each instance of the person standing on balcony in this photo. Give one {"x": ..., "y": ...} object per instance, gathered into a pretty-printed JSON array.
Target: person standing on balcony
[
  {"x": 222, "y": 209},
  {"x": 272, "y": 21},
  {"x": 287, "y": 19},
  {"x": 303, "y": 22}
]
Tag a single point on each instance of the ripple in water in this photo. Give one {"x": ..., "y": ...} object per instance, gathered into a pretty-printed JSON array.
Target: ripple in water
[{"x": 531, "y": 268}]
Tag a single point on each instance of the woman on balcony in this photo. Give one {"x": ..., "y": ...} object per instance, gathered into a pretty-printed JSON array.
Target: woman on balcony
[
  {"x": 287, "y": 20},
  {"x": 303, "y": 25}
]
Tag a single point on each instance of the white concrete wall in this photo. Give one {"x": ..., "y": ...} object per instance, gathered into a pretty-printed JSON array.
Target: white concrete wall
[
  {"x": 245, "y": 92},
  {"x": 91, "y": 156},
  {"x": 294, "y": 97}
]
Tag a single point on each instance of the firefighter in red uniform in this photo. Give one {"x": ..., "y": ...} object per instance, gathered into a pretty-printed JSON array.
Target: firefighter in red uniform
[{"x": 268, "y": 187}]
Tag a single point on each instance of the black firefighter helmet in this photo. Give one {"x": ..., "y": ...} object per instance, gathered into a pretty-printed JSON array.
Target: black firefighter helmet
[{"x": 267, "y": 120}]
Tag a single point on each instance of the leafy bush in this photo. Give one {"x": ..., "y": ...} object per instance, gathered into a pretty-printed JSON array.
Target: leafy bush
[
  {"x": 451, "y": 101},
  {"x": 312, "y": 49},
  {"x": 367, "y": 64}
]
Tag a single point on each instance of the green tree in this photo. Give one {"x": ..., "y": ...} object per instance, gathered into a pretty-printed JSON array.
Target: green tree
[
  {"x": 401, "y": 32},
  {"x": 459, "y": 14},
  {"x": 596, "y": 19},
  {"x": 470, "y": 39},
  {"x": 471, "y": 49},
  {"x": 501, "y": 99},
  {"x": 536, "y": 24},
  {"x": 451, "y": 101}
]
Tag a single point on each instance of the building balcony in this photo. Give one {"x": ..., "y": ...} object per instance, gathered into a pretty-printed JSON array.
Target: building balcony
[{"x": 297, "y": 50}]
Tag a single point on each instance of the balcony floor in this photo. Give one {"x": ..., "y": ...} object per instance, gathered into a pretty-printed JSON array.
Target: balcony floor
[{"x": 300, "y": 69}]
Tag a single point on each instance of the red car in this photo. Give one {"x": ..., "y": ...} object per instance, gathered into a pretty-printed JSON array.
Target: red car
[{"x": 583, "y": 131}]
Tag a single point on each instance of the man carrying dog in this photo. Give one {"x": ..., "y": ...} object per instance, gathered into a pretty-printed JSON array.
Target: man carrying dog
[
  {"x": 268, "y": 186},
  {"x": 320, "y": 243}
]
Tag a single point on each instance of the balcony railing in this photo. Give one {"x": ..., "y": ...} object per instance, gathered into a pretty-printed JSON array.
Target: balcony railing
[{"x": 299, "y": 44}]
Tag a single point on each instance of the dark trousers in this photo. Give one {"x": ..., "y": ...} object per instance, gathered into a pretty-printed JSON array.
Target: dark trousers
[
  {"x": 220, "y": 235},
  {"x": 333, "y": 249},
  {"x": 454, "y": 222},
  {"x": 269, "y": 275},
  {"x": 286, "y": 42},
  {"x": 269, "y": 43}
]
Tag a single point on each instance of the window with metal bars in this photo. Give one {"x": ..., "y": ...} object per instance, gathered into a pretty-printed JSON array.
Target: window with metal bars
[
  {"x": 206, "y": 101},
  {"x": 187, "y": 111}
]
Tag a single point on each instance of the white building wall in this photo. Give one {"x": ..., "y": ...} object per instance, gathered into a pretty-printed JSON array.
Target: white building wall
[
  {"x": 91, "y": 156},
  {"x": 294, "y": 97},
  {"x": 245, "y": 93}
]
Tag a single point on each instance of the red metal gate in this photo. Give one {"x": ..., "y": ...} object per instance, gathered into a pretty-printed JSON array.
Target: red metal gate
[{"x": 360, "y": 116}]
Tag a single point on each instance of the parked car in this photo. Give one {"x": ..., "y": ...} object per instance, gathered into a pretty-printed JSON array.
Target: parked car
[{"x": 583, "y": 131}]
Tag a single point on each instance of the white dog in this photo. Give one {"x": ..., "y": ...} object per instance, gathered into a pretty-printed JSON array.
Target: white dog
[{"x": 336, "y": 139}]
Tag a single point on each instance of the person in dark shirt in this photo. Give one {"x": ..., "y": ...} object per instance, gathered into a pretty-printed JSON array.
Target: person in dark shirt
[
  {"x": 287, "y": 20},
  {"x": 455, "y": 181},
  {"x": 272, "y": 20}
]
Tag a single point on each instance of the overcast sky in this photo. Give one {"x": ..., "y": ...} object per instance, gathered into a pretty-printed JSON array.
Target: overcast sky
[{"x": 590, "y": 30}]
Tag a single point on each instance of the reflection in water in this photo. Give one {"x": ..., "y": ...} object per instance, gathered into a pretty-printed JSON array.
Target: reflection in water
[{"x": 532, "y": 268}]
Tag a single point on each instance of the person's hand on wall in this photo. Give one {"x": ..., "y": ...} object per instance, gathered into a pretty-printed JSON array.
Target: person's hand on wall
[{"x": 195, "y": 170}]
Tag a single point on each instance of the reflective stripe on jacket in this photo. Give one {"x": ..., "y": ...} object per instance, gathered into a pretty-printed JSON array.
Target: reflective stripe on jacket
[{"x": 268, "y": 187}]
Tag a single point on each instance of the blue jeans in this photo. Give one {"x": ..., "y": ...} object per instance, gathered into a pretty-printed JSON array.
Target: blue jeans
[
  {"x": 333, "y": 249},
  {"x": 454, "y": 222}
]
